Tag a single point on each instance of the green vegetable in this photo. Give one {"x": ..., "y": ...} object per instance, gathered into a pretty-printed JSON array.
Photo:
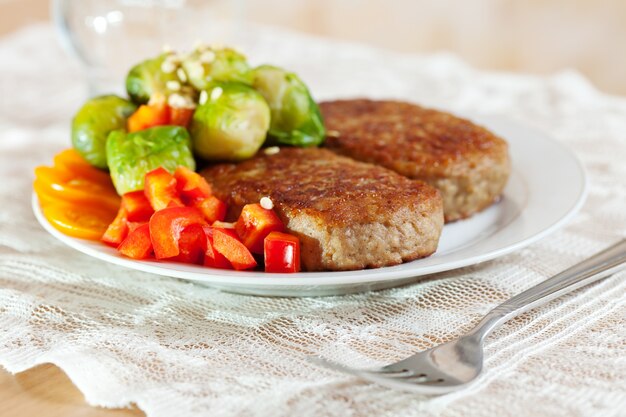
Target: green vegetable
[
  {"x": 296, "y": 118},
  {"x": 93, "y": 123},
  {"x": 132, "y": 155},
  {"x": 206, "y": 65},
  {"x": 232, "y": 124},
  {"x": 147, "y": 78}
]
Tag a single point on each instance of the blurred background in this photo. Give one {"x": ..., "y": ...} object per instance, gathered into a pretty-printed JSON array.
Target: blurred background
[{"x": 533, "y": 36}]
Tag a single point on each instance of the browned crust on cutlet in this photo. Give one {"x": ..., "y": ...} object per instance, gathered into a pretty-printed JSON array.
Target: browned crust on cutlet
[
  {"x": 347, "y": 214},
  {"x": 466, "y": 162}
]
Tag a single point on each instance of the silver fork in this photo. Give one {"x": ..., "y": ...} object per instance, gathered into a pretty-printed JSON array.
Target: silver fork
[{"x": 453, "y": 365}]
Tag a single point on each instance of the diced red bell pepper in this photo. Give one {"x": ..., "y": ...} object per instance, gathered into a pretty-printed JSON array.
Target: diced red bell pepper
[
  {"x": 254, "y": 224},
  {"x": 166, "y": 226},
  {"x": 224, "y": 225},
  {"x": 281, "y": 253},
  {"x": 117, "y": 230},
  {"x": 148, "y": 116},
  {"x": 137, "y": 206},
  {"x": 134, "y": 225},
  {"x": 175, "y": 203},
  {"x": 192, "y": 245},
  {"x": 160, "y": 189},
  {"x": 180, "y": 116},
  {"x": 137, "y": 244},
  {"x": 191, "y": 185},
  {"x": 212, "y": 257},
  {"x": 227, "y": 243},
  {"x": 212, "y": 208}
]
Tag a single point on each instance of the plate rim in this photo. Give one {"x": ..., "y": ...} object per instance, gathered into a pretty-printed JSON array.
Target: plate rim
[{"x": 244, "y": 279}]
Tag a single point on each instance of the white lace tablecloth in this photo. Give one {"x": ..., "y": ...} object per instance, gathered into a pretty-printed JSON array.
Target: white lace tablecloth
[{"x": 177, "y": 349}]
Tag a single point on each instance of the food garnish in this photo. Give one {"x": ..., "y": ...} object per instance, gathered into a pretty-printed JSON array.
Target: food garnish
[
  {"x": 132, "y": 155},
  {"x": 232, "y": 124},
  {"x": 75, "y": 197},
  {"x": 183, "y": 109},
  {"x": 281, "y": 253},
  {"x": 296, "y": 118},
  {"x": 94, "y": 121},
  {"x": 174, "y": 217},
  {"x": 148, "y": 78},
  {"x": 254, "y": 224}
]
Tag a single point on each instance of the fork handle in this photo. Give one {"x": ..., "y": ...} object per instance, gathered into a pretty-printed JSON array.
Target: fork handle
[{"x": 599, "y": 266}]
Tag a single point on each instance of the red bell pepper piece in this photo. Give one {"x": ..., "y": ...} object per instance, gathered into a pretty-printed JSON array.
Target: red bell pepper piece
[
  {"x": 137, "y": 206},
  {"x": 117, "y": 230},
  {"x": 227, "y": 243},
  {"x": 180, "y": 116},
  {"x": 224, "y": 225},
  {"x": 137, "y": 244},
  {"x": 175, "y": 203},
  {"x": 212, "y": 257},
  {"x": 134, "y": 225},
  {"x": 254, "y": 224},
  {"x": 148, "y": 116},
  {"x": 281, "y": 253},
  {"x": 167, "y": 225},
  {"x": 212, "y": 208},
  {"x": 191, "y": 185},
  {"x": 160, "y": 189},
  {"x": 192, "y": 245}
]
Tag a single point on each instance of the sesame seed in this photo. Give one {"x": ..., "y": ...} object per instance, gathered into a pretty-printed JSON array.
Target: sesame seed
[
  {"x": 204, "y": 97},
  {"x": 173, "y": 85},
  {"x": 181, "y": 75},
  {"x": 216, "y": 93},
  {"x": 156, "y": 99},
  {"x": 266, "y": 203},
  {"x": 168, "y": 67},
  {"x": 176, "y": 100},
  {"x": 195, "y": 70},
  {"x": 333, "y": 133},
  {"x": 207, "y": 57},
  {"x": 174, "y": 58},
  {"x": 272, "y": 150}
]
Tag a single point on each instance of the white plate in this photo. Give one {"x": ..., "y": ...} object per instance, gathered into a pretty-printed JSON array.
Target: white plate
[{"x": 546, "y": 188}]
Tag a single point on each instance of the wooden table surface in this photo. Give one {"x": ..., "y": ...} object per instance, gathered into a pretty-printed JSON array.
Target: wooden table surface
[{"x": 46, "y": 391}]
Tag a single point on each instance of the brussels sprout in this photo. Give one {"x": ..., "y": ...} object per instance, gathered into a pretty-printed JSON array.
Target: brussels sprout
[
  {"x": 206, "y": 65},
  {"x": 231, "y": 124},
  {"x": 296, "y": 118},
  {"x": 93, "y": 123},
  {"x": 132, "y": 155},
  {"x": 148, "y": 78}
]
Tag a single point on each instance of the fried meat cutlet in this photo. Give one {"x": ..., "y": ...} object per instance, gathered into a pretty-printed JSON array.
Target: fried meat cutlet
[
  {"x": 347, "y": 214},
  {"x": 467, "y": 163}
]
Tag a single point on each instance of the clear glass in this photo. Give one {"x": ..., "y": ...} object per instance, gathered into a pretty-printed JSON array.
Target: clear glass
[{"x": 109, "y": 36}]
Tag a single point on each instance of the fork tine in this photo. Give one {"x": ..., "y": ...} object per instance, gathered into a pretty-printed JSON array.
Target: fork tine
[
  {"x": 424, "y": 386},
  {"x": 392, "y": 372},
  {"x": 318, "y": 360},
  {"x": 386, "y": 371},
  {"x": 418, "y": 383}
]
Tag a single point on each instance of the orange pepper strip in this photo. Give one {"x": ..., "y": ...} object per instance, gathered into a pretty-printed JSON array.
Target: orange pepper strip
[
  {"x": 148, "y": 116},
  {"x": 78, "y": 221}
]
